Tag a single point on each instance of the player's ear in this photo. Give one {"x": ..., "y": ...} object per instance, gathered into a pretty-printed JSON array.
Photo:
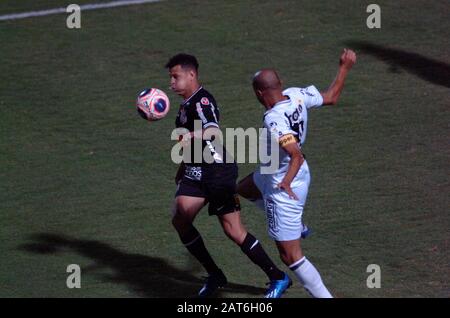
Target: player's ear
[
  {"x": 259, "y": 95},
  {"x": 193, "y": 74}
]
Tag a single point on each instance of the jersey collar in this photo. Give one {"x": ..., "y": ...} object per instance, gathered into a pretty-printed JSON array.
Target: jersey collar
[
  {"x": 278, "y": 104},
  {"x": 193, "y": 94}
]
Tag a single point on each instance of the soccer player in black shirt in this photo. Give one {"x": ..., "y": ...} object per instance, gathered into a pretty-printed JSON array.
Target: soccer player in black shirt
[{"x": 214, "y": 183}]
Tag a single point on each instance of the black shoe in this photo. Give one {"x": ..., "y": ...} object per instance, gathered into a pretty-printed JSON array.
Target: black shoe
[{"x": 212, "y": 283}]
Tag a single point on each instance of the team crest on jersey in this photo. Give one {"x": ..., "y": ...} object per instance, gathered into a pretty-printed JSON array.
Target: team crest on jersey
[
  {"x": 183, "y": 117},
  {"x": 204, "y": 101}
]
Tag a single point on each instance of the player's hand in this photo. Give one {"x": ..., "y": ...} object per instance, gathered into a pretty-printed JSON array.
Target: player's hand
[
  {"x": 287, "y": 187},
  {"x": 348, "y": 58}
]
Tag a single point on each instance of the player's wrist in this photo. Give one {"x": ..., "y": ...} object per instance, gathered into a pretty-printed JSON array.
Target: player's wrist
[{"x": 343, "y": 69}]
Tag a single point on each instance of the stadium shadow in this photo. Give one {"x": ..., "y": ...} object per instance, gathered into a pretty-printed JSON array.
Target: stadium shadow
[
  {"x": 146, "y": 276},
  {"x": 432, "y": 71}
]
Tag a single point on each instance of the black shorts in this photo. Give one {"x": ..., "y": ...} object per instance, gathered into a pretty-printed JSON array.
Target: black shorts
[{"x": 217, "y": 186}]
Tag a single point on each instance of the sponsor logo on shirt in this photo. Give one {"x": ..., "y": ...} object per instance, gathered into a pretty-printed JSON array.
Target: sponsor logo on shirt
[{"x": 193, "y": 173}]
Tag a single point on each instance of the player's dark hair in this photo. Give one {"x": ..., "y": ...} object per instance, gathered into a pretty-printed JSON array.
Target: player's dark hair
[{"x": 185, "y": 60}]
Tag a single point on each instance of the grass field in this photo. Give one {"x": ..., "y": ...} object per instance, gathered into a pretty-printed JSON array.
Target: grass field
[{"x": 84, "y": 180}]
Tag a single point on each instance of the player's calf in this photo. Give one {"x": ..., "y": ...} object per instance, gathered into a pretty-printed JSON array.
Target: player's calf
[{"x": 233, "y": 227}]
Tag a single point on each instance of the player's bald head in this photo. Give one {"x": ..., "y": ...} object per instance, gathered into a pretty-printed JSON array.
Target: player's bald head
[{"x": 266, "y": 78}]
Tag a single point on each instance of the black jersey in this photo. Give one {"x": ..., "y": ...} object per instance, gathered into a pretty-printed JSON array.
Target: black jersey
[{"x": 202, "y": 107}]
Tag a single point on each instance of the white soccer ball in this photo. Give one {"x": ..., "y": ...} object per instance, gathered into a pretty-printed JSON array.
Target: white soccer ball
[{"x": 152, "y": 104}]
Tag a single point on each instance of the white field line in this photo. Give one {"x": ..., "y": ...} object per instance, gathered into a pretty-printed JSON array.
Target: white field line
[{"x": 91, "y": 6}]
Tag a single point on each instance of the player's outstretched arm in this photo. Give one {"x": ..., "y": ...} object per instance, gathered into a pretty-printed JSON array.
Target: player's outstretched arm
[{"x": 346, "y": 61}]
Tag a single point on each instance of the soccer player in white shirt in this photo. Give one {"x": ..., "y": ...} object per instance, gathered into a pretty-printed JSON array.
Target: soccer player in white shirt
[{"x": 283, "y": 193}]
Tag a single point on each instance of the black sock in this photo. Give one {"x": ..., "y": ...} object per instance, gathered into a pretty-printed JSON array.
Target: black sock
[
  {"x": 193, "y": 241},
  {"x": 253, "y": 249}
]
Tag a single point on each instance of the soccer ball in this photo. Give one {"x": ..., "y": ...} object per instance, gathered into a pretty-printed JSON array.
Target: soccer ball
[{"x": 152, "y": 104}]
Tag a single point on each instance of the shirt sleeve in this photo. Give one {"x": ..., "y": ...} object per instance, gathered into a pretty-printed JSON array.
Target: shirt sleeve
[
  {"x": 207, "y": 112},
  {"x": 278, "y": 125},
  {"x": 311, "y": 97}
]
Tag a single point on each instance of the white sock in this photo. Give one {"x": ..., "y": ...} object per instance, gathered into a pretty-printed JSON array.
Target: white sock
[
  {"x": 259, "y": 203},
  {"x": 308, "y": 275}
]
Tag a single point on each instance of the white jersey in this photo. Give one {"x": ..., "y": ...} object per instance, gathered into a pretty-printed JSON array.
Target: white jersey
[{"x": 290, "y": 117}]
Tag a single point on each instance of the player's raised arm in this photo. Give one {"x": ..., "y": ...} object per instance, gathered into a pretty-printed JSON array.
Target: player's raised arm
[{"x": 331, "y": 96}]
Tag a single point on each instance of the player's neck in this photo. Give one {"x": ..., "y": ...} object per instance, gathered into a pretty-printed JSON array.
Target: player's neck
[
  {"x": 191, "y": 91},
  {"x": 274, "y": 99}
]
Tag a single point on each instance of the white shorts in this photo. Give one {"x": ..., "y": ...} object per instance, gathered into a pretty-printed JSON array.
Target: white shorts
[{"x": 284, "y": 215}]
